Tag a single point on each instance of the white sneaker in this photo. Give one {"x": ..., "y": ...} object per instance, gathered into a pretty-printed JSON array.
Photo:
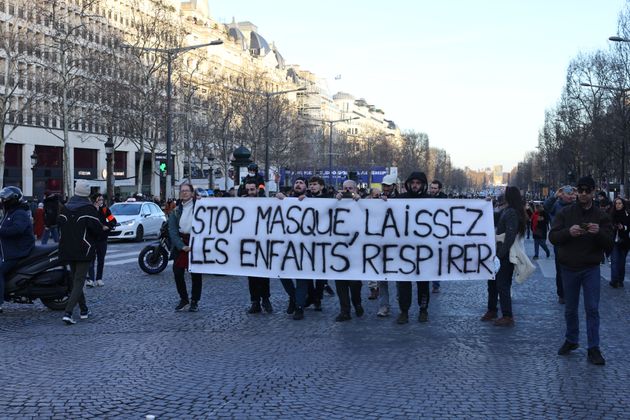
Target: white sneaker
[
  {"x": 67, "y": 318},
  {"x": 89, "y": 283},
  {"x": 383, "y": 312},
  {"x": 100, "y": 283}
]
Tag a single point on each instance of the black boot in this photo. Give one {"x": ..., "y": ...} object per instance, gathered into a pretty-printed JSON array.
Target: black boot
[
  {"x": 291, "y": 307},
  {"x": 255, "y": 308},
  {"x": 266, "y": 304},
  {"x": 299, "y": 314}
]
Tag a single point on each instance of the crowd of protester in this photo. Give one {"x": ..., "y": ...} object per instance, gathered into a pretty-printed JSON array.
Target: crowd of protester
[{"x": 585, "y": 227}]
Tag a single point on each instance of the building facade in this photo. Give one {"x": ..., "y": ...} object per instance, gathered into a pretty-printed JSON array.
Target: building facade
[{"x": 54, "y": 122}]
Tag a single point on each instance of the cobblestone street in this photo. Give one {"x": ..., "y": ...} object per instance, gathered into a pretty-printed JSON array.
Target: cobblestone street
[{"x": 136, "y": 357}]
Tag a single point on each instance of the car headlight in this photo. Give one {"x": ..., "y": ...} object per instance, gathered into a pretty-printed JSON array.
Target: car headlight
[{"x": 127, "y": 223}]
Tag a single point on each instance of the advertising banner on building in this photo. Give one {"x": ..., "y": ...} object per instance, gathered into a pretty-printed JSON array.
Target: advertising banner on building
[{"x": 394, "y": 240}]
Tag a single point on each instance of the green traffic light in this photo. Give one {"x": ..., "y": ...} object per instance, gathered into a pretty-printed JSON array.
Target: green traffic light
[{"x": 163, "y": 167}]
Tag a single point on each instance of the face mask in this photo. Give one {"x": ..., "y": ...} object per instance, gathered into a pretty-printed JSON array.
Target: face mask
[{"x": 251, "y": 173}]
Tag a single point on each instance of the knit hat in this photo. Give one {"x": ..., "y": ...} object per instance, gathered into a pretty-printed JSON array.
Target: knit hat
[
  {"x": 82, "y": 188},
  {"x": 586, "y": 181}
]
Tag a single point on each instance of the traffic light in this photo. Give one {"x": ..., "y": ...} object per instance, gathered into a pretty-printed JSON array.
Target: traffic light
[{"x": 162, "y": 168}]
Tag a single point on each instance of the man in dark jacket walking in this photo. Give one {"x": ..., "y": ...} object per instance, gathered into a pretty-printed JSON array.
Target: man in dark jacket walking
[
  {"x": 582, "y": 232},
  {"x": 416, "y": 187},
  {"x": 80, "y": 227},
  {"x": 16, "y": 232}
]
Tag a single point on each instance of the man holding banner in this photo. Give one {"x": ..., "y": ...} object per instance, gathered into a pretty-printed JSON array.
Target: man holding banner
[
  {"x": 297, "y": 292},
  {"x": 344, "y": 240},
  {"x": 416, "y": 187},
  {"x": 348, "y": 288},
  {"x": 316, "y": 189},
  {"x": 258, "y": 286}
]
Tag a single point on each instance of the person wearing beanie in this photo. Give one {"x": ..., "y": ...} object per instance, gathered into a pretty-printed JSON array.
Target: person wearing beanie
[
  {"x": 80, "y": 228},
  {"x": 582, "y": 232}
]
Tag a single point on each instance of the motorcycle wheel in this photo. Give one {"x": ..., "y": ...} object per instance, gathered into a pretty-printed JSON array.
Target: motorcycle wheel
[
  {"x": 152, "y": 262},
  {"x": 55, "y": 304}
]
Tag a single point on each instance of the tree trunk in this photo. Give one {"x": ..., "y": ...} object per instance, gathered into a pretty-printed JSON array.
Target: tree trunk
[
  {"x": 2, "y": 144},
  {"x": 140, "y": 168}
]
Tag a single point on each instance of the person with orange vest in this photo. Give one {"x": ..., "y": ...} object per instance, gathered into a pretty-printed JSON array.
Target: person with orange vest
[{"x": 95, "y": 274}]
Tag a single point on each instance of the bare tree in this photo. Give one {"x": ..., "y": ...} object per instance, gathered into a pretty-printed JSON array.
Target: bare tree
[
  {"x": 68, "y": 61},
  {"x": 17, "y": 75}
]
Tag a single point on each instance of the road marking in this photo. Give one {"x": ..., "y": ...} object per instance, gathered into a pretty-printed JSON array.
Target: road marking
[
  {"x": 127, "y": 261},
  {"x": 121, "y": 262},
  {"x": 124, "y": 254}
]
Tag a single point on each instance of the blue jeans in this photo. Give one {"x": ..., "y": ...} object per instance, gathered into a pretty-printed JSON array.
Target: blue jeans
[
  {"x": 5, "y": 267},
  {"x": 50, "y": 231},
  {"x": 297, "y": 292},
  {"x": 587, "y": 279},
  {"x": 618, "y": 264}
]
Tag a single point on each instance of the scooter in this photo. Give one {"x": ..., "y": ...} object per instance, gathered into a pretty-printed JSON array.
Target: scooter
[
  {"x": 153, "y": 258},
  {"x": 40, "y": 275}
]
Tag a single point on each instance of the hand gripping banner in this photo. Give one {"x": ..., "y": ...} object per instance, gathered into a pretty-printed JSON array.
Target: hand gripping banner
[{"x": 372, "y": 239}]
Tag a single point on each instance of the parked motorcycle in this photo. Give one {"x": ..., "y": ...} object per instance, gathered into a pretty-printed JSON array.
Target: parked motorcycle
[
  {"x": 41, "y": 275},
  {"x": 153, "y": 258}
]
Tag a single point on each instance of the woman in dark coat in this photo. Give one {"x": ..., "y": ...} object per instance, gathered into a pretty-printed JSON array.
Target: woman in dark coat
[
  {"x": 621, "y": 224},
  {"x": 512, "y": 221}
]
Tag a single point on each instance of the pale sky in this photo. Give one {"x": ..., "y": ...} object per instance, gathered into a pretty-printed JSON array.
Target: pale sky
[{"x": 475, "y": 75}]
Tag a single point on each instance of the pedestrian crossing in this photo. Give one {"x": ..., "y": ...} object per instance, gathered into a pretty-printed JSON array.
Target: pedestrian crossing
[{"x": 124, "y": 254}]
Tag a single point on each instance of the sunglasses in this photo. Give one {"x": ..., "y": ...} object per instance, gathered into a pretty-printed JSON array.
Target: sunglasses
[{"x": 586, "y": 190}]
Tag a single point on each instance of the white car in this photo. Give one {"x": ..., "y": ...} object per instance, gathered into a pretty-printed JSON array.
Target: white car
[{"x": 135, "y": 220}]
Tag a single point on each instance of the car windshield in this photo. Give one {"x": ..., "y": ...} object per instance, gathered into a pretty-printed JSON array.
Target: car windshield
[{"x": 125, "y": 209}]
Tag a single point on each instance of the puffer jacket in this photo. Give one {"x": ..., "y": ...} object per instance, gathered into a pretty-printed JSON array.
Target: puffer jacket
[{"x": 16, "y": 233}]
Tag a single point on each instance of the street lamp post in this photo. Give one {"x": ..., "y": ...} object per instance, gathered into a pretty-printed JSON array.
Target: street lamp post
[
  {"x": 623, "y": 91},
  {"x": 171, "y": 54},
  {"x": 330, "y": 141},
  {"x": 109, "y": 154},
  {"x": 268, "y": 96}
]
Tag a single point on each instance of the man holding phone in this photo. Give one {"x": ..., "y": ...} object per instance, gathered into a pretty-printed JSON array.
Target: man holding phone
[{"x": 582, "y": 232}]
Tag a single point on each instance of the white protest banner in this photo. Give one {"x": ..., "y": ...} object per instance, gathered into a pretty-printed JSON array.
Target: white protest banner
[{"x": 373, "y": 239}]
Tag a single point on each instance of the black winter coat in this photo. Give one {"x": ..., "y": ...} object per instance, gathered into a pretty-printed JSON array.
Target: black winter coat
[
  {"x": 577, "y": 253},
  {"x": 80, "y": 227}
]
